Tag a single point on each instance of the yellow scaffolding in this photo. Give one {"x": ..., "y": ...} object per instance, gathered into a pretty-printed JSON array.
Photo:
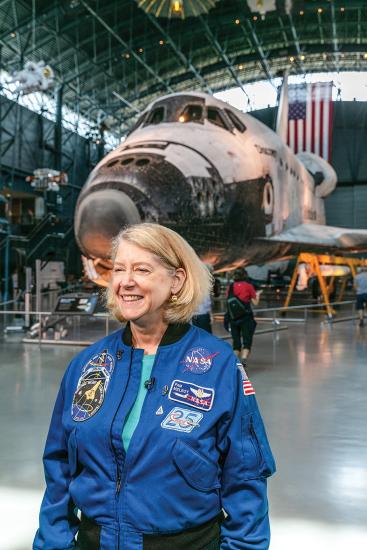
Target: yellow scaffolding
[{"x": 315, "y": 261}]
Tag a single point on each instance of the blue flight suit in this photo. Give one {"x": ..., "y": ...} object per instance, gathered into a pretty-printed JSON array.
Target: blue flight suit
[{"x": 200, "y": 446}]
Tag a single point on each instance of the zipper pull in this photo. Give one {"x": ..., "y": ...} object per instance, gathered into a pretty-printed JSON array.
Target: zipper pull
[{"x": 118, "y": 484}]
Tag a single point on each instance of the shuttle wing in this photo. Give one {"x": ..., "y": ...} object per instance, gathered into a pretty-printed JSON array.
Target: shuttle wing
[{"x": 323, "y": 235}]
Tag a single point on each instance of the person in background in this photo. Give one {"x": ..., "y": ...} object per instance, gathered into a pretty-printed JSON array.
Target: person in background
[
  {"x": 202, "y": 316},
  {"x": 360, "y": 284},
  {"x": 156, "y": 427},
  {"x": 243, "y": 329}
]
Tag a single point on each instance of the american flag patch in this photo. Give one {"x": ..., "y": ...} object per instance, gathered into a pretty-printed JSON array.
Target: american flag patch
[{"x": 247, "y": 387}]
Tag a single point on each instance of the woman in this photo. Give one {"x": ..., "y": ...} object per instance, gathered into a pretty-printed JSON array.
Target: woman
[
  {"x": 242, "y": 324},
  {"x": 155, "y": 427}
]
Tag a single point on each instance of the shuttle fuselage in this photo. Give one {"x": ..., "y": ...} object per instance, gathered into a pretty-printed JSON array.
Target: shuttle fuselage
[{"x": 219, "y": 177}]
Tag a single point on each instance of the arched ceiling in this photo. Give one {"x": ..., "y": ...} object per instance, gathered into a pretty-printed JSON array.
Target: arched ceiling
[{"x": 113, "y": 56}]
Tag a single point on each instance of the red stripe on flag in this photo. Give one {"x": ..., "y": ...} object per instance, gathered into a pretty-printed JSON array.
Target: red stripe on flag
[
  {"x": 296, "y": 122},
  {"x": 247, "y": 388}
]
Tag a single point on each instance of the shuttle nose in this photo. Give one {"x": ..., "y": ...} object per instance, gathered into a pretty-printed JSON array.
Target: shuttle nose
[{"x": 99, "y": 217}]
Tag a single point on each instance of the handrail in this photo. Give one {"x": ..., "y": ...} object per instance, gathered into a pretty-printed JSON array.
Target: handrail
[
  {"x": 40, "y": 225},
  {"x": 18, "y": 312},
  {"x": 305, "y": 306},
  {"x": 48, "y": 235}
]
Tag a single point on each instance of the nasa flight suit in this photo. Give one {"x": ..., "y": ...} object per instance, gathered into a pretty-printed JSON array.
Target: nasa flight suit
[{"x": 200, "y": 446}]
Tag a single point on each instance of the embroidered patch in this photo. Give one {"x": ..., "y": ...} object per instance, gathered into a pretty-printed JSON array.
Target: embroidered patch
[
  {"x": 182, "y": 420},
  {"x": 159, "y": 411},
  {"x": 198, "y": 360},
  {"x": 241, "y": 368},
  {"x": 92, "y": 386},
  {"x": 247, "y": 388},
  {"x": 191, "y": 394},
  {"x": 246, "y": 384}
]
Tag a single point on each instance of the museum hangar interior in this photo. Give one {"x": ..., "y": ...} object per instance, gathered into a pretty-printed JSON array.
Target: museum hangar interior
[{"x": 103, "y": 111}]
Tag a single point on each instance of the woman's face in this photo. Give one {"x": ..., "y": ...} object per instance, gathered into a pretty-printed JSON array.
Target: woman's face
[{"x": 142, "y": 285}]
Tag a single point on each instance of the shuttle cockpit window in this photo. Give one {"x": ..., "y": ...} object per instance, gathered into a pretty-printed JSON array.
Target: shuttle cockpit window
[
  {"x": 216, "y": 117},
  {"x": 237, "y": 123},
  {"x": 192, "y": 113},
  {"x": 138, "y": 123},
  {"x": 156, "y": 116}
]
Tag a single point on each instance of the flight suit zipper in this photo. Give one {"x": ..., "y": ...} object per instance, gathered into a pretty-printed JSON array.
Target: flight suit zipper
[
  {"x": 115, "y": 456},
  {"x": 127, "y": 456}
]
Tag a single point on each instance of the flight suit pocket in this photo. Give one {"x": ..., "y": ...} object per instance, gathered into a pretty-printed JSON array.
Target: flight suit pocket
[
  {"x": 72, "y": 453},
  {"x": 259, "y": 461},
  {"x": 199, "y": 472}
]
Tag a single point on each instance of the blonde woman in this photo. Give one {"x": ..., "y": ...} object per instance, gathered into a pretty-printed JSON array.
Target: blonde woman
[{"x": 156, "y": 429}]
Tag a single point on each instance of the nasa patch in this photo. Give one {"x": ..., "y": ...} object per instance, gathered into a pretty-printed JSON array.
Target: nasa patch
[
  {"x": 191, "y": 394},
  {"x": 198, "y": 360},
  {"x": 92, "y": 386},
  {"x": 182, "y": 420}
]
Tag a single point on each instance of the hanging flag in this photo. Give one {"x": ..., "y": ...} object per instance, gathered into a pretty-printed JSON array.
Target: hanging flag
[{"x": 310, "y": 118}]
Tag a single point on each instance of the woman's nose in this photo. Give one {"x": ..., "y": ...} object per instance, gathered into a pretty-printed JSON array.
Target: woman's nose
[{"x": 127, "y": 278}]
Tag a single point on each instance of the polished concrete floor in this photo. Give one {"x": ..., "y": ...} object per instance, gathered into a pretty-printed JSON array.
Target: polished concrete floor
[{"x": 311, "y": 383}]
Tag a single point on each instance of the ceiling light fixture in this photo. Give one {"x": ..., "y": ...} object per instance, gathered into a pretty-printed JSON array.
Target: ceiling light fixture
[{"x": 176, "y": 8}]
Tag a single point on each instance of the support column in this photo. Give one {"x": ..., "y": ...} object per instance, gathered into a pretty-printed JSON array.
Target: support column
[{"x": 58, "y": 128}]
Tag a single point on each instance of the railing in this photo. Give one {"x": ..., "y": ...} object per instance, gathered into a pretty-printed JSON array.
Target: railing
[
  {"x": 38, "y": 330},
  {"x": 282, "y": 310},
  {"x": 60, "y": 236}
]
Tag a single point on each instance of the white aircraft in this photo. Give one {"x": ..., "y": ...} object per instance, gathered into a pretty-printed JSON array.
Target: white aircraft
[{"x": 225, "y": 181}]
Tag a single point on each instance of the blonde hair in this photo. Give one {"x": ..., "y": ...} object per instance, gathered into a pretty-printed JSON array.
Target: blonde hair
[{"x": 173, "y": 252}]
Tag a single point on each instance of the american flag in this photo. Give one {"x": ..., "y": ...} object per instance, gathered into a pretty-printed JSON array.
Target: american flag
[
  {"x": 310, "y": 118},
  {"x": 247, "y": 387}
]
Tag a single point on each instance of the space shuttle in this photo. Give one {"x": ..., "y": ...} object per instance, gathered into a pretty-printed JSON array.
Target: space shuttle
[{"x": 220, "y": 178}]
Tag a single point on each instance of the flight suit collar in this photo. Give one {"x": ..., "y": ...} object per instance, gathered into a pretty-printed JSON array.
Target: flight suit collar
[{"x": 173, "y": 334}]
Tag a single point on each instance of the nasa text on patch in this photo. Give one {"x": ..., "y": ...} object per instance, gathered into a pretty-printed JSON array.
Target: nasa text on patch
[
  {"x": 192, "y": 394},
  {"x": 182, "y": 420},
  {"x": 198, "y": 360}
]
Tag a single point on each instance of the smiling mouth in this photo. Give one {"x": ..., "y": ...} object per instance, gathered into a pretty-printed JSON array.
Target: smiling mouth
[{"x": 131, "y": 298}]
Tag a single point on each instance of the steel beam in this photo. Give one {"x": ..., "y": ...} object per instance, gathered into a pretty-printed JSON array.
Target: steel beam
[
  {"x": 334, "y": 34},
  {"x": 255, "y": 40},
  {"x": 126, "y": 46},
  {"x": 181, "y": 56},
  {"x": 218, "y": 48}
]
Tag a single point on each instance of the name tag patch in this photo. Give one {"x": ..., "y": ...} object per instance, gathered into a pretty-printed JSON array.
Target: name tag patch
[
  {"x": 192, "y": 394},
  {"x": 182, "y": 420}
]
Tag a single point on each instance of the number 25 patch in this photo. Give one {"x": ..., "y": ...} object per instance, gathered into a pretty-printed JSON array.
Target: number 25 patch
[{"x": 182, "y": 420}]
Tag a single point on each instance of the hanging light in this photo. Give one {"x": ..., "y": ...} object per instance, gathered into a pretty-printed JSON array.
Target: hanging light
[{"x": 176, "y": 8}]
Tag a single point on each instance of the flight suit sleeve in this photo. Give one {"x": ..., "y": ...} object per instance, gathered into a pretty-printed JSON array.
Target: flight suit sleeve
[
  {"x": 247, "y": 462},
  {"x": 58, "y": 523}
]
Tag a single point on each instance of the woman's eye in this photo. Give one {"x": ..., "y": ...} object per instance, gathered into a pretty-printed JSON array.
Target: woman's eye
[
  {"x": 117, "y": 269},
  {"x": 142, "y": 270}
]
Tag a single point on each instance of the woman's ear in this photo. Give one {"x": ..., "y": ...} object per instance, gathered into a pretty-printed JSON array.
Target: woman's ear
[{"x": 178, "y": 280}]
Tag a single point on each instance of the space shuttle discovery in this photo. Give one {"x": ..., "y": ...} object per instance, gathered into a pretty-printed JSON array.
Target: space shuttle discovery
[{"x": 219, "y": 177}]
